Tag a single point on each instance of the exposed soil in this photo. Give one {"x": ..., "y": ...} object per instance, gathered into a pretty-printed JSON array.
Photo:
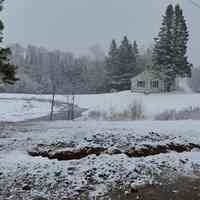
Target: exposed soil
[
  {"x": 75, "y": 154},
  {"x": 68, "y": 155},
  {"x": 150, "y": 151},
  {"x": 183, "y": 188}
]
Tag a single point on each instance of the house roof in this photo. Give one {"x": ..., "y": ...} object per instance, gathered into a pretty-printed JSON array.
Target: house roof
[{"x": 145, "y": 73}]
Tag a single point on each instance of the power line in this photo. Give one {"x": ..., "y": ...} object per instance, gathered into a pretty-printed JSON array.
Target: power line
[{"x": 194, "y": 3}]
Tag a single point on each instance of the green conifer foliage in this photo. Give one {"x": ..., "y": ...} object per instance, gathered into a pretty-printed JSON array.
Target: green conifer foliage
[{"x": 7, "y": 70}]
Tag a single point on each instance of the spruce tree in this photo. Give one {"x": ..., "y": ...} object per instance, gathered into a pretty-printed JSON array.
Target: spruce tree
[
  {"x": 135, "y": 48},
  {"x": 170, "y": 50},
  {"x": 163, "y": 54},
  {"x": 122, "y": 64},
  {"x": 113, "y": 66},
  {"x": 138, "y": 69},
  {"x": 181, "y": 37},
  {"x": 7, "y": 70},
  {"x": 127, "y": 62}
]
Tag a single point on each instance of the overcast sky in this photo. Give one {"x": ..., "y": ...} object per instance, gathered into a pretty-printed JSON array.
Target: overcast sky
[{"x": 76, "y": 25}]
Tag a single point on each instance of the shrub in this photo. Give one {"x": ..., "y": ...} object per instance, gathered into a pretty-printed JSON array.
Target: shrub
[
  {"x": 134, "y": 111},
  {"x": 185, "y": 114},
  {"x": 97, "y": 115}
]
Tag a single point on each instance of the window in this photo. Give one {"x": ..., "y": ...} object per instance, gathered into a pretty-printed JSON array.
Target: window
[
  {"x": 155, "y": 84},
  {"x": 141, "y": 84}
]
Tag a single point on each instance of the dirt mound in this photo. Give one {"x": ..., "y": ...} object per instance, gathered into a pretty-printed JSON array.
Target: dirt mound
[
  {"x": 65, "y": 154},
  {"x": 150, "y": 150},
  {"x": 76, "y": 154}
]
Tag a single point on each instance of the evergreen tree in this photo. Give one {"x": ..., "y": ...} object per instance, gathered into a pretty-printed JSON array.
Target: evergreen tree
[
  {"x": 127, "y": 64},
  {"x": 7, "y": 70},
  {"x": 113, "y": 66},
  {"x": 163, "y": 53},
  {"x": 169, "y": 55},
  {"x": 135, "y": 48},
  {"x": 136, "y": 52},
  {"x": 181, "y": 37}
]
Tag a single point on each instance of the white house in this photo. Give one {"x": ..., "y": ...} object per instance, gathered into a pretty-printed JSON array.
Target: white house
[{"x": 148, "y": 82}]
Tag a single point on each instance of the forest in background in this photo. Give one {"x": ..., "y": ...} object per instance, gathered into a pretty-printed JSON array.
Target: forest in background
[{"x": 41, "y": 71}]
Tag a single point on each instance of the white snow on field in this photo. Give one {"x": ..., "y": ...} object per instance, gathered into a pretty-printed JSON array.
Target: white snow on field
[
  {"x": 58, "y": 131},
  {"x": 68, "y": 177},
  {"x": 105, "y": 170},
  {"x": 117, "y": 168},
  {"x": 153, "y": 103},
  {"x": 17, "y": 109}
]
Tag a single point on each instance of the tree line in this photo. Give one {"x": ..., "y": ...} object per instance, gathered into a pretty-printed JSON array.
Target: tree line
[
  {"x": 43, "y": 71},
  {"x": 169, "y": 55}
]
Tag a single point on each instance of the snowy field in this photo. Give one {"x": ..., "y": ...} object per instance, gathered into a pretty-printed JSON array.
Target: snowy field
[
  {"x": 27, "y": 170},
  {"x": 53, "y": 179},
  {"x": 16, "y": 108},
  {"x": 152, "y": 104}
]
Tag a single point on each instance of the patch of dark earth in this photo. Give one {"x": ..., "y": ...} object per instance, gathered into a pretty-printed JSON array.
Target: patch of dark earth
[
  {"x": 76, "y": 154},
  {"x": 183, "y": 188},
  {"x": 109, "y": 143}
]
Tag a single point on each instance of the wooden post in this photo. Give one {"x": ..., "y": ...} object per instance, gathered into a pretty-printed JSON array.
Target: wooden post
[
  {"x": 67, "y": 107},
  {"x": 73, "y": 102},
  {"x": 52, "y": 106}
]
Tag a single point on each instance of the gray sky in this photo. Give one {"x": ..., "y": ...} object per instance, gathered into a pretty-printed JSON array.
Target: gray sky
[{"x": 76, "y": 25}]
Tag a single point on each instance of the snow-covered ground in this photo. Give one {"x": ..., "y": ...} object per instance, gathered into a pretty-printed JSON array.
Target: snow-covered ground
[
  {"x": 54, "y": 179},
  {"x": 25, "y": 177},
  {"x": 20, "y": 109},
  {"x": 153, "y": 104}
]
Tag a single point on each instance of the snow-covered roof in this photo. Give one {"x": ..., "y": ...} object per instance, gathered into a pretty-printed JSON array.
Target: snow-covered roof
[{"x": 145, "y": 73}]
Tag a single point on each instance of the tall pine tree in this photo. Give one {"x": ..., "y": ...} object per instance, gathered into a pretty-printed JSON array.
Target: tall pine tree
[
  {"x": 163, "y": 54},
  {"x": 135, "y": 48},
  {"x": 113, "y": 66},
  {"x": 128, "y": 65},
  {"x": 7, "y": 70},
  {"x": 122, "y": 64},
  {"x": 181, "y": 37},
  {"x": 170, "y": 51}
]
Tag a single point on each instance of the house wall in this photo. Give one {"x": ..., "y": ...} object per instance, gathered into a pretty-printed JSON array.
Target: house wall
[{"x": 147, "y": 77}]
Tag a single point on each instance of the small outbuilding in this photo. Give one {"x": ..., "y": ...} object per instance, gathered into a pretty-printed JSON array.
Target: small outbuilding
[{"x": 147, "y": 82}]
